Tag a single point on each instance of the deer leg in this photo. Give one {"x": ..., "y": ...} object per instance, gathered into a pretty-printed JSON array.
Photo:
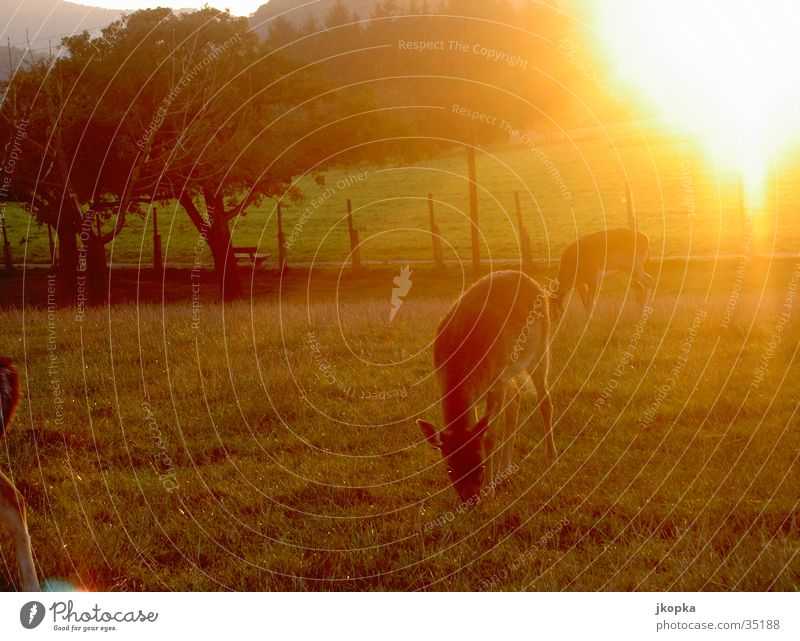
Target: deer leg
[
  {"x": 510, "y": 418},
  {"x": 583, "y": 290},
  {"x": 539, "y": 378},
  {"x": 12, "y": 513},
  {"x": 591, "y": 294},
  {"x": 639, "y": 291},
  {"x": 495, "y": 400},
  {"x": 646, "y": 282}
]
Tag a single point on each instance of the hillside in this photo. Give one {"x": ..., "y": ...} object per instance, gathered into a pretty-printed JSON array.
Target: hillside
[
  {"x": 297, "y": 12},
  {"x": 684, "y": 203},
  {"x": 49, "y": 20}
]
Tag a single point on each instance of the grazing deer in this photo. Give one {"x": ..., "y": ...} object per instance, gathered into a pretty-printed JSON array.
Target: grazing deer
[
  {"x": 12, "y": 506},
  {"x": 604, "y": 253},
  {"x": 497, "y": 330}
]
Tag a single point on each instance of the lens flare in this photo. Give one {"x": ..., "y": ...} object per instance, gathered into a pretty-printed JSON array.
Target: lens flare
[
  {"x": 58, "y": 585},
  {"x": 727, "y": 71}
]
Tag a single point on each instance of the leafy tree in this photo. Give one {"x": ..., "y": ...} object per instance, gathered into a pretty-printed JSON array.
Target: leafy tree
[
  {"x": 282, "y": 32},
  {"x": 75, "y": 174},
  {"x": 240, "y": 129},
  {"x": 188, "y": 107}
]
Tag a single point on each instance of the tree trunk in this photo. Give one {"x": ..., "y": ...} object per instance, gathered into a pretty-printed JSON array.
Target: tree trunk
[
  {"x": 67, "y": 263},
  {"x": 220, "y": 242},
  {"x": 96, "y": 270},
  {"x": 217, "y": 236},
  {"x": 225, "y": 267}
]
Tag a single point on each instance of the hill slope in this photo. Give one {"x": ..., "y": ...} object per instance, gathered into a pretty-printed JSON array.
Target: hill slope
[
  {"x": 297, "y": 11},
  {"x": 49, "y": 20}
]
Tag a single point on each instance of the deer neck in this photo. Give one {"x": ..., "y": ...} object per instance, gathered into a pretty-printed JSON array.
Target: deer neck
[{"x": 457, "y": 409}]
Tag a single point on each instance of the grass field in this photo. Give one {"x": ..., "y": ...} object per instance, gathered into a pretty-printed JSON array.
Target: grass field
[
  {"x": 686, "y": 204},
  {"x": 271, "y": 445}
]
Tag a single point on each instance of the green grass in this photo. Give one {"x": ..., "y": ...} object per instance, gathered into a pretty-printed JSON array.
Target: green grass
[
  {"x": 671, "y": 177},
  {"x": 288, "y": 479}
]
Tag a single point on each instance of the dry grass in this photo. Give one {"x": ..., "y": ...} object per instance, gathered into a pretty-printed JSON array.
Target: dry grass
[{"x": 292, "y": 476}]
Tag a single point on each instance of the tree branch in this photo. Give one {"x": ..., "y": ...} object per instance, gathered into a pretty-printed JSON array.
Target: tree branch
[{"x": 191, "y": 210}]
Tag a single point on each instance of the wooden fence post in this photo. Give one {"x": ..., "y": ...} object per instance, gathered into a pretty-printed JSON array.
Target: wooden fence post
[
  {"x": 524, "y": 239},
  {"x": 52, "y": 246},
  {"x": 438, "y": 254},
  {"x": 158, "y": 259},
  {"x": 281, "y": 241},
  {"x": 355, "y": 250},
  {"x": 8, "y": 258},
  {"x": 473, "y": 212},
  {"x": 629, "y": 203}
]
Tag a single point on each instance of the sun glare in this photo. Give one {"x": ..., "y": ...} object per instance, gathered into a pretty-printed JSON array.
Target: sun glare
[{"x": 728, "y": 71}]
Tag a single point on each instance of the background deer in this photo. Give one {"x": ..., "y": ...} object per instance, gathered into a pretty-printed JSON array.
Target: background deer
[
  {"x": 497, "y": 330},
  {"x": 604, "y": 253},
  {"x": 12, "y": 505}
]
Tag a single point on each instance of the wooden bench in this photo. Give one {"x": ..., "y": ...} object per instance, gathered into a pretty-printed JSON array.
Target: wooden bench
[{"x": 252, "y": 253}]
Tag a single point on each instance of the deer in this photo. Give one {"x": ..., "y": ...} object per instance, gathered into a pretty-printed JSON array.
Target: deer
[
  {"x": 496, "y": 331},
  {"x": 12, "y": 505},
  {"x": 604, "y": 253}
]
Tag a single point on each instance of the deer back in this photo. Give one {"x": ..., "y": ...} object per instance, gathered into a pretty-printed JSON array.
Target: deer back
[
  {"x": 489, "y": 335},
  {"x": 609, "y": 250}
]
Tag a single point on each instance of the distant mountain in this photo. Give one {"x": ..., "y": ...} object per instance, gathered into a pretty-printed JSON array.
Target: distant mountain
[
  {"x": 15, "y": 58},
  {"x": 297, "y": 11},
  {"x": 47, "y": 21}
]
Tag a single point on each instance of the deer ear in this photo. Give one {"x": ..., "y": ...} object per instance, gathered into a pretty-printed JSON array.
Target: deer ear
[{"x": 431, "y": 433}]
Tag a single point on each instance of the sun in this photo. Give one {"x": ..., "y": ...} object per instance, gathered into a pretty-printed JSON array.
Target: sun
[{"x": 726, "y": 70}]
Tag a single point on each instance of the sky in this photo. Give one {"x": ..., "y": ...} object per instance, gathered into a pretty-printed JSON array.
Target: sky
[{"x": 236, "y": 7}]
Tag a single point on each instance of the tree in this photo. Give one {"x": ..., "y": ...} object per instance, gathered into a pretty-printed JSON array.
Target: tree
[
  {"x": 162, "y": 106},
  {"x": 233, "y": 128},
  {"x": 74, "y": 174},
  {"x": 282, "y": 32}
]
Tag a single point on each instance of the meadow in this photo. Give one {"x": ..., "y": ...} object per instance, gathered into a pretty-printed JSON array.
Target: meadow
[
  {"x": 271, "y": 445},
  {"x": 687, "y": 205}
]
